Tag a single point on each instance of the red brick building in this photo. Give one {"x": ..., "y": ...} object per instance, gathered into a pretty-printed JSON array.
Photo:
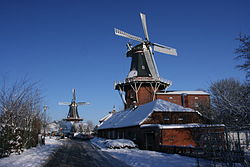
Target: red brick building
[{"x": 160, "y": 125}]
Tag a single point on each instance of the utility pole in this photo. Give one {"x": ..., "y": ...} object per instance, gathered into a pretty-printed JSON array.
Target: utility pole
[{"x": 45, "y": 107}]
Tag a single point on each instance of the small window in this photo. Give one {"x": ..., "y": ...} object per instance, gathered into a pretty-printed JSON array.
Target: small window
[
  {"x": 166, "y": 118},
  {"x": 143, "y": 67},
  {"x": 196, "y": 98},
  {"x": 180, "y": 119},
  {"x": 134, "y": 137},
  {"x": 170, "y": 97}
]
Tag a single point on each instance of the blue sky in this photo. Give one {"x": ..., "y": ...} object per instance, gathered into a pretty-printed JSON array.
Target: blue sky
[{"x": 67, "y": 44}]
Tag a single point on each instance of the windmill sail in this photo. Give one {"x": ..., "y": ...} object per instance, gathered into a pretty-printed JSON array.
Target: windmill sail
[
  {"x": 82, "y": 103},
  {"x": 164, "y": 49},
  {"x": 143, "y": 63},
  {"x": 151, "y": 64},
  {"x": 127, "y": 35},
  {"x": 144, "y": 25},
  {"x": 64, "y": 103}
]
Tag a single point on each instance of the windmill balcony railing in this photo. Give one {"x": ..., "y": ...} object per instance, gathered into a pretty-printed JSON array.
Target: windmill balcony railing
[{"x": 143, "y": 79}]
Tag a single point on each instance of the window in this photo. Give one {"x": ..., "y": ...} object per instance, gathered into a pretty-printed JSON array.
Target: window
[
  {"x": 134, "y": 138},
  {"x": 180, "y": 119},
  {"x": 170, "y": 97},
  {"x": 143, "y": 67},
  {"x": 166, "y": 118},
  {"x": 196, "y": 98}
]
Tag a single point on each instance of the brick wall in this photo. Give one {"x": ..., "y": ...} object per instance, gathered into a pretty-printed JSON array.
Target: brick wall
[
  {"x": 177, "y": 137},
  {"x": 190, "y": 101}
]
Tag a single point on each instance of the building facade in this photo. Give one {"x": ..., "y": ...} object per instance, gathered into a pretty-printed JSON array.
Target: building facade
[{"x": 161, "y": 125}]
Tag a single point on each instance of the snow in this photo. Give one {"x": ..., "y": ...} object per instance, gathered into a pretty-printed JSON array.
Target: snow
[
  {"x": 145, "y": 158},
  {"x": 184, "y": 92},
  {"x": 133, "y": 117},
  {"x": 120, "y": 143},
  {"x": 53, "y": 127},
  {"x": 106, "y": 117},
  {"x": 172, "y": 126},
  {"x": 117, "y": 143},
  {"x": 33, "y": 157}
]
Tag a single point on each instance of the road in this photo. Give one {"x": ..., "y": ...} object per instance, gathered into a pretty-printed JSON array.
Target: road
[{"x": 75, "y": 153}]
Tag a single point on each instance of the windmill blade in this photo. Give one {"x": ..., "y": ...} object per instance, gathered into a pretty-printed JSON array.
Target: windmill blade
[
  {"x": 164, "y": 49},
  {"x": 127, "y": 35},
  {"x": 144, "y": 25},
  {"x": 82, "y": 103},
  {"x": 64, "y": 103},
  {"x": 151, "y": 63},
  {"x": 74, "y": 94}
]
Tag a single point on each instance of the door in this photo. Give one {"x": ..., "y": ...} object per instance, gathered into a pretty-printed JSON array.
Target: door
[{"x": 149, "y": 140}]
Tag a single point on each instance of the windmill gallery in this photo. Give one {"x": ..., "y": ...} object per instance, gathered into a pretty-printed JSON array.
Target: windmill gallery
[{"x": 153, "y": 117}]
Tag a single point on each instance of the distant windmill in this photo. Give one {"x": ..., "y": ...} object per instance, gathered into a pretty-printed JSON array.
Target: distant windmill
[
  {"x": 73, "y": 112},
  {"x": 143, "y": 63},
  {"x": 143, "y": 80}
]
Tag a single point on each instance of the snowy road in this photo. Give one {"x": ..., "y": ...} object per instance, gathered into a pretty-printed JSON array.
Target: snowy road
[{"x": 82, "y": 153}]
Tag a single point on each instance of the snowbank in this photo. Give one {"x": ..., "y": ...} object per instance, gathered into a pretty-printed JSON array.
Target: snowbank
[
  {"x": 117, "y": 143},
  {"x": 33, "y": 157},
  {"x": 98, "y": 142},
  {"x": 120, "y": 143}
]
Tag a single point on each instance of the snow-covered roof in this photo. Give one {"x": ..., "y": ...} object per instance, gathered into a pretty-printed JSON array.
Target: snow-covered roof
[
  {"x": 184, "y": 92},
  {"x": 133, "y": 117},
  {"x": 106, "y": 117},
  {"x": 174, "y": 126}
]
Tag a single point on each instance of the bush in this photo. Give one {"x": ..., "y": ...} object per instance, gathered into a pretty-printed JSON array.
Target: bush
[{"x": 20, "y": 117}]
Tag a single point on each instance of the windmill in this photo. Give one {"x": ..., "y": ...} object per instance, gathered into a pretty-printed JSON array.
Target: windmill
[
  {"x": 143, "y": 80},
  {"x": 73, "y": 112},
  {"x": 143, "y": 63}
]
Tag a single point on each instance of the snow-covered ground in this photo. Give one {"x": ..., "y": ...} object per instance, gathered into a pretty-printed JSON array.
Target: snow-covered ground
[
  {"x": 38, "y": 156},
  {"x": 144, "y": 158},
  {"x": 33, "y": 157}
]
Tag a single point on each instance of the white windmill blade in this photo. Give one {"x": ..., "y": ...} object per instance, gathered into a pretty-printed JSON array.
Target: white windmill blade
[
  {"x": 64, "y": 103},
  {"x": 82, "y": 103},
  {"x": 164, "y": 49},
  {"x": 127, "y": 35},
  {"x": 144, "y": 25}
]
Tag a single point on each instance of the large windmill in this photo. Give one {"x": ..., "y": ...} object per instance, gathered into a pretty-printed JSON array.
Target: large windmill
[
  {"x": 143, "y": 73},
  {"x": 143, "y": 63},
  {"x": 73, "y": 112}
]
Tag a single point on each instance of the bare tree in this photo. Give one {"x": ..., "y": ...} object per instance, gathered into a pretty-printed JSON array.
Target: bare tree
[
  {"x": 243, "y": 52},
  {"x": 20, "y": 116},
  {"x": 90, "y": 126},
  {"x": 230, "y": 101}
]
